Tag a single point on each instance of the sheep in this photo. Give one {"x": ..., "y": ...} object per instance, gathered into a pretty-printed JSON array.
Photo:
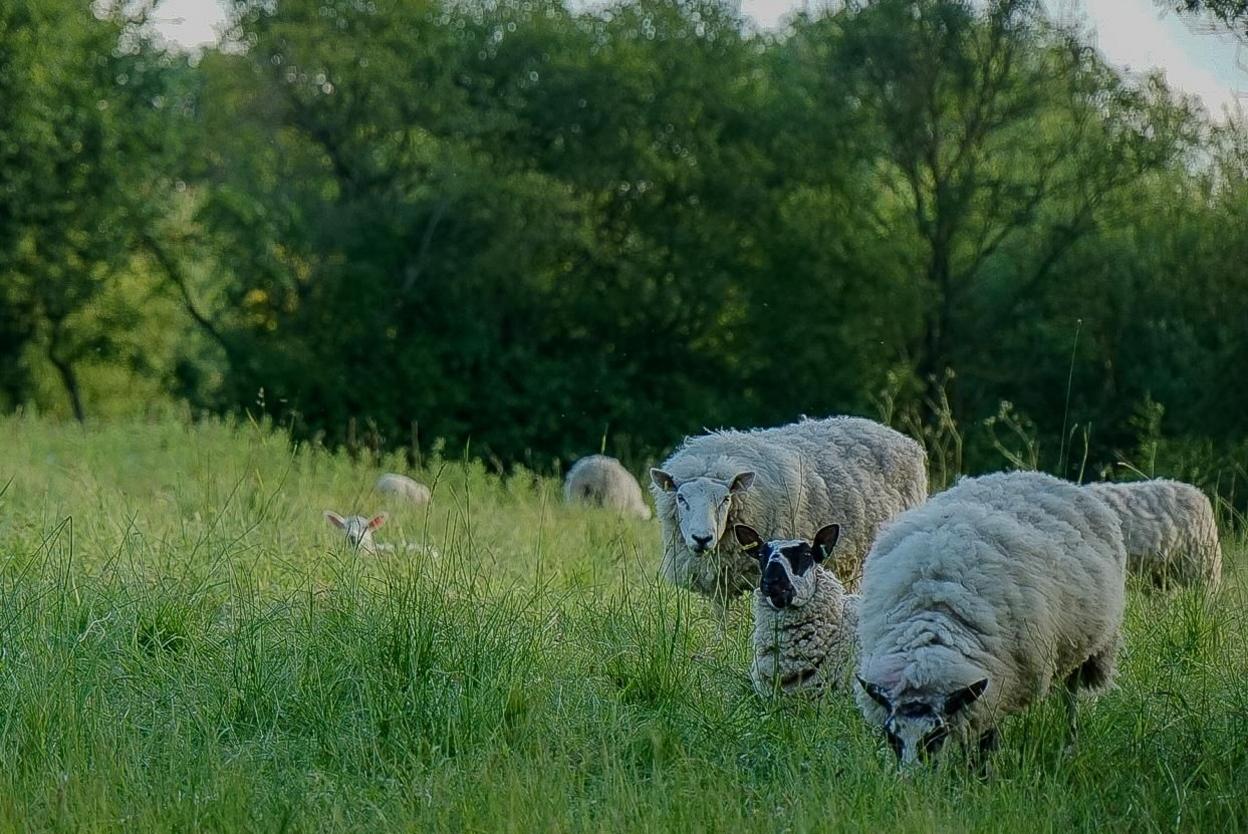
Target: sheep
[
  {"x": 359, "y": 532},
  {"x": 1170, "y": 532},
  {"x": 358, "y": 529},
  {"x": 782, "y": 481},
  {"x": 603, "y": 482},
  {"x": 403, "y": 487},
  {"x": 976, "y": 602},
  {"x": 804, "y": 621}
]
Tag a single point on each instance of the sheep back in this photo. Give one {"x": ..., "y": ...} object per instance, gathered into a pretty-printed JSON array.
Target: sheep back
[
  {"x": 401, "y": 486},
  {"x": 1169, "y": 530},
  {"x": 602, "y": 481}
]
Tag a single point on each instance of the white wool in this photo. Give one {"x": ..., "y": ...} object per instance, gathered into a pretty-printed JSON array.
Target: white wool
[
  {"x": 1169, "y": 529},
  {"x": 603, "y": 481},
  {"x": 850, "y": 470},
  {"x": 1014, "y": 577},
  {"x": 808, "y": 648},
  {"x": 401, "y": 486}
]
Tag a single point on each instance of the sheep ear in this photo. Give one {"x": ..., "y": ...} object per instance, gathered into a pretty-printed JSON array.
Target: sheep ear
[
  {"x": 747, "y": 537},
  {"x": 875, "y": 693},
  {"x": 377, "y": 520},
  {"x": 663, "y": 480},
  {"x": 742, "y": 482},
  {"x": 825, "y": 540},
  {"x": 965, "y": 696},
  {"x": 335, "y": 519}
]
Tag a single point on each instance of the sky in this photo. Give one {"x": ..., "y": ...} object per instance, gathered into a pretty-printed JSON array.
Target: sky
[{"x": 1137, "y": 35}]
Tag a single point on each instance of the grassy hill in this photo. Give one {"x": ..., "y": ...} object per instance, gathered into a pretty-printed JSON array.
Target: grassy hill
[{"x": 186, "y": 645}]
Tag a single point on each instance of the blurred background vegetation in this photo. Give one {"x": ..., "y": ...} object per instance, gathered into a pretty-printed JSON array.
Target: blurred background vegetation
[{"x": 535, "y": 230}]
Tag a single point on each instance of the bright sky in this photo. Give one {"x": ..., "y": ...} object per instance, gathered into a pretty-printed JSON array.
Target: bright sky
[{"x": 1135, "y": 34}]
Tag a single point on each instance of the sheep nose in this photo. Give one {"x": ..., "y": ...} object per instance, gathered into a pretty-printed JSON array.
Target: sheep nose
[{"x": 701, "y": 543}]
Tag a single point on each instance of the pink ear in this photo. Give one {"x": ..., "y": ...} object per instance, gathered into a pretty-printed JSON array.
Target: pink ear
[
  {"x": 335, "y": 519},
  {"x": 377, "y": 521}
]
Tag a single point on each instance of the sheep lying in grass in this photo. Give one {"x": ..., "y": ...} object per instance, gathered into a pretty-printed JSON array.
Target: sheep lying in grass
[
  {"x": 974, "y": 604},
  {"x": 602, "y": 481},
  {"x": 403, "y": 487},
  {"x": 1170, "y": 531},
  {"x": 358, "y": 529},
  {"x": 783, "y": 481},
  {"x": 804, "y": 622},
  {"x": 359, "y": 532}
]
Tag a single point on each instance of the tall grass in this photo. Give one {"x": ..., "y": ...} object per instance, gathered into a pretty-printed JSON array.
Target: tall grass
[{"x": 185, "y": 645}]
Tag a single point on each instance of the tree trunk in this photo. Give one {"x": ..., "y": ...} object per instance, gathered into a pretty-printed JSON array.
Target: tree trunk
[{"x": 70, "y": 380}]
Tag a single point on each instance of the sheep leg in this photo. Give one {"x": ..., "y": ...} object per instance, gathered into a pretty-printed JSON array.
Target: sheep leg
[
  {"x": 989, "y": 741},
  {"x": 1070, "y": 698},
  {"x": 720, "y": 607}
]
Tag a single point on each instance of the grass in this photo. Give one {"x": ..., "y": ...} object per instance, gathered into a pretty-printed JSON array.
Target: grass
[{"x": 185, "y": 646}]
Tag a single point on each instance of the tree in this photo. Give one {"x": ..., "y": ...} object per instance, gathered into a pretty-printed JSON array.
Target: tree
[
  {"x": 81, "y": 92},
  {"x": 1001, "y": 137}
]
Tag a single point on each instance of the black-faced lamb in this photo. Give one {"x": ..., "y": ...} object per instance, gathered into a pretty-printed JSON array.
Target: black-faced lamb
[
  {"x": 975, "y": 604},
  {"x": 601, "y": 481},
  {"x": 783, "y": 482},
  {"x": 804, "y": 621},
  {"x": 1170, "y": 531}
]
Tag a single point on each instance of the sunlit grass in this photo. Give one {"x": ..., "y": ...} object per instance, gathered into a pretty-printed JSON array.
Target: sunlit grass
[{"x": 187, "y": 646}]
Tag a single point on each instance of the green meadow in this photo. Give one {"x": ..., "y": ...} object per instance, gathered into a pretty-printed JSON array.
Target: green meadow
[{"x": 185, "y": 645}]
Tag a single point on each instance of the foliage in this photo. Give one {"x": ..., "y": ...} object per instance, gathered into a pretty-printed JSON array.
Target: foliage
[{"x": 535, "y": 229}]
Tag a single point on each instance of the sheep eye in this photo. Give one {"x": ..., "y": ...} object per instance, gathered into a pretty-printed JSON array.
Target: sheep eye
[{"x": 680, "y": 499}]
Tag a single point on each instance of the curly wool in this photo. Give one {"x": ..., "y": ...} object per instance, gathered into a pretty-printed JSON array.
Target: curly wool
[
  {"x": 808, "y": 649},
  {"x": 603, "y": 481},
  {"x": 850, "y": 470},
  {"x": 1016, "y": 577},
  {"x": 1169, "y": 529}
]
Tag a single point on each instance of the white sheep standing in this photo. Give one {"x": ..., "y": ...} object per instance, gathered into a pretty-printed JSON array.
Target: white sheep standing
[
  {"x": 602, "y": 481},
  {"x": 974, "y": 604},
  {"x": 1169, "y": 529},
  {"x": 804, "y": 621},
  {"x": 401, "y": 486},
  {"x": 783, "y": 482}
]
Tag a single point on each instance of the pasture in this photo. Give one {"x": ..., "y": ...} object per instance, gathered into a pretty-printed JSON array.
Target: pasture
[{"x": 187, "y": 646}]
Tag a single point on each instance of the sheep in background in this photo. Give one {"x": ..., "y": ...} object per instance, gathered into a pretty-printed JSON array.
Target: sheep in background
[
  {"x": 974, "y": 604},
  {"x": 783, "y": 482},
  {"x": 401, "y": 486},
  {"x": 601, "y": 481},
  {"x": 804, "y": 622},
  {"x": 358, "y": 529},
  {"x": 1169, "y": 530},
  {"x": 359, "y": 532}
]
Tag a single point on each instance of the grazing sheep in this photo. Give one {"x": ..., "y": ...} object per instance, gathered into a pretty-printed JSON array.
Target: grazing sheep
[
  {"x": 783, "y": 481},
  {"x": 804, "y": 622},
  {"x": 403, "y": 487},
  {"x": 1169, "y": 529},
  {"x": 358, "y": 529},
  {"x": 974, "y": 604},
  {"x": 602, "y": 481}
]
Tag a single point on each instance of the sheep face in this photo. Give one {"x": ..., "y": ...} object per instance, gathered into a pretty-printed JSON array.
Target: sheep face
[
  {"x": 788, "y": 578},
  {"x": 357, "y": 528},
  {"x": 703, "y": 506},
  {"x": 917, "y": 724}
]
